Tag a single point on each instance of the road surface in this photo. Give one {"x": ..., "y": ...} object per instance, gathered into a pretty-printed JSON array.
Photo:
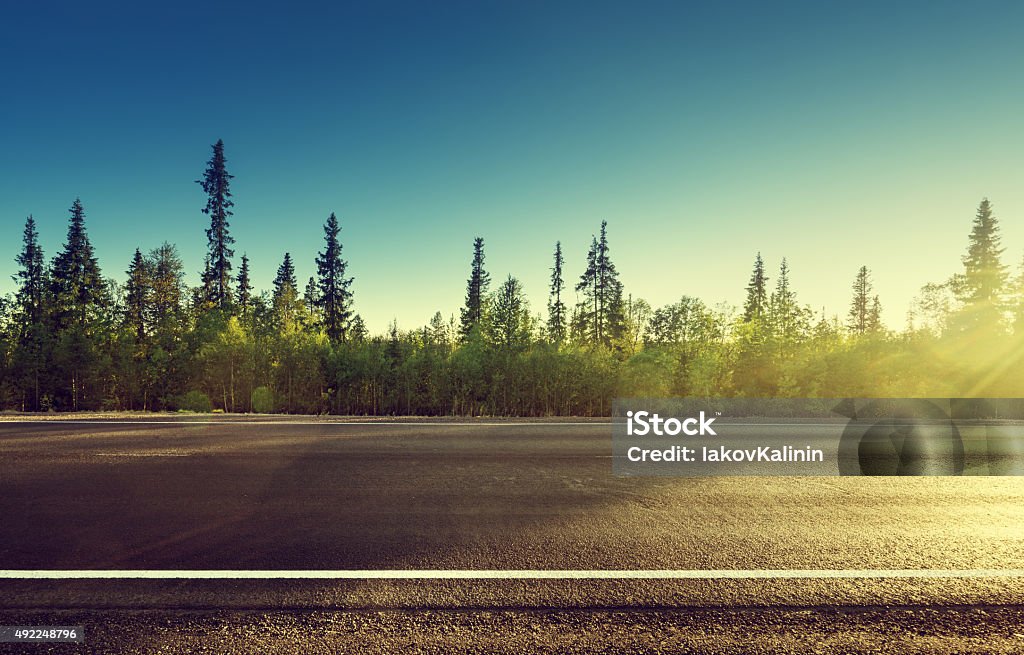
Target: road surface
[{"x": 838, "y": 564}]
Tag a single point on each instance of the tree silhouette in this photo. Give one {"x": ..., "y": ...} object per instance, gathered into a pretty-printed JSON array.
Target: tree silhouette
[
  {"x": 29, "y": 357},
  {"x": 137, "y": 292},
  {"x": 982, "y": 285},
  {"x": 556, "y": 308},
  {"x": 757, "y": 294},
  {"x": 859, "y": 317},
  {"x": 244, "y": 284},
  {"x": 216, "y": 184},
  {"x": 335, "y": 299},
  {"x": 476, "y": 290}
]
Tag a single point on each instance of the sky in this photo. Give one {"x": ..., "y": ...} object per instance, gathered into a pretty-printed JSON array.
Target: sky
[{"x": 833, "y": 134}]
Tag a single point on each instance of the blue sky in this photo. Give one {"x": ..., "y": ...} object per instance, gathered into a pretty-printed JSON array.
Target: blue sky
[{"x": 835, "y": 134}]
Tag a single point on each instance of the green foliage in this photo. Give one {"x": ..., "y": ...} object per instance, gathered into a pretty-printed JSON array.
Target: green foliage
[
  {"x": 556, "y": 326},
  {"x": 334, "y": 295},
  {"x": 72, "y": 340},
  {"x": 216, "y": 183},
  {"x": 981, "y": 288},
  {"x": 476, "y": 291},
  {"x": 757, "y": 292},
  {"x": 244, "y": 284},
  {"x": 600, "y": 319},
  {"x": 262, "y": 400},
  {"x": 195, "y": 401}
]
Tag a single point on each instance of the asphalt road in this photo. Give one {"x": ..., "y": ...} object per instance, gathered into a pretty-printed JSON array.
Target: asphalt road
[{"x": 318, "y": 495}]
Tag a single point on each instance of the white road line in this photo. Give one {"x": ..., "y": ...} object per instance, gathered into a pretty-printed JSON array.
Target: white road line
[
  {"x": 287, "y": 423},
  {"x": 542, "y": 574},
  {"x": 185, "y": 422}
]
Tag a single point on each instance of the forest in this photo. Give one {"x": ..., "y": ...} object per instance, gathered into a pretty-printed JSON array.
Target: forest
[{"x": 75, "y": 339}]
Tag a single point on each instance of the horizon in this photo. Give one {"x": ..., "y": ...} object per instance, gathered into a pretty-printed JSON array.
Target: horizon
[{"x": 834, "y": 137}]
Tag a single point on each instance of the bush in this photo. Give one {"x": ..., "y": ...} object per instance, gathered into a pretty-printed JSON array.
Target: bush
[
  {"x": 195, "y": 401},
  {"x": 262, "y": 400}
]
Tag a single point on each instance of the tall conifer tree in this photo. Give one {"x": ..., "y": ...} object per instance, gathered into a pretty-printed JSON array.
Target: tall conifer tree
[
  {"x": 78, "y": 285},
  {"x": 556, "y": 308},
  {"x": 476, "y": 290},
  {"x": 982, "y": 286},
  {"x": 335, "y": 298},
  {"x": 244, "y": 286},
  {"x": 216, "y": 184},
  {"x": 859, "y": 316},
  {"x": 757, "y": 295},
  {"x": 137, "y": 292},
  {"x": 29, "y": 357}
]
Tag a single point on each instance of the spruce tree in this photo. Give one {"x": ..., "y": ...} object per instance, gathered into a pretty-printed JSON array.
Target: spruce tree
[
  {"x": 874, "y": 325},
  {"x": 137, "y": 292},
  {"x": 556, "y": 308},
  {"x": 31, "y": 276},
  {"x": 285, "y": 282},
  {"x": 611, "y": 305},
  {"x": 600, "y": 317},
  {"x": 216, "y": 184},
  {"x": 78, "y": 285},
  {"x": 587, "y": 316},
  {"x": 357, "y": 329},
  {"x": 244, "y": 286},
  {"x": 309, "y": 297},
  {"x": 335, "y": 298},
  {"x": 476, "y": 290},
  {"x": 510, "y": 320},
  {"x": 29, "y": 359},
  {"x": 79, "y": 292},
  {"x": 757, "y": 295},
  {"x": 785, "y": 312},
  {"x": 285, "y": 298},
  {"x": 982, "y": 285},
  {"x": 167, "y": 292},
  {"x": 858, "y": 318}
]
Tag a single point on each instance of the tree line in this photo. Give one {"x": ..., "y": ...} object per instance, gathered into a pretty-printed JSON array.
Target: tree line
[{"x": 74, "y": 339}]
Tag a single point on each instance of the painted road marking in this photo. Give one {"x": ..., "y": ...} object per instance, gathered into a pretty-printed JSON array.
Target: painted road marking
[
  {"x": 173, "y": 422},
  {"x": 542, "y": 574}
]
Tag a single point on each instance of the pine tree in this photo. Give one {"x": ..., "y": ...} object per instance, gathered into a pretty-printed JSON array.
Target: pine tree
[
  {"x": 137, "y": 293},
  {"x": 244, "y": 286},
  {"x": 875, "y": 316},
  {"x": 438, "y": 331},
  {"x": 982, "y": 285},
  {"x": 78, "y": 285},
  {"x": 601, "y": 316},
  {"x": 31, "y": 277},
  {"x": 757, "y": 295},
  {"x": 510, "y": 318},
  {"x": 611, "y": 305},
  {"x": 216, "y": 184},
  {"x": 587, "y": 315},
  {"x": 29, "y": 357},
  {"x": 310, "y": 296},
  {"x": 167, "y": 293},
  {"x": 785, "y": 313},
  {"x": 476, "y": 290},
  {"x": 858, "y": 318},
  {"x": 285, "y": 298},
  {"x": 335, "y": 298},
  {"x": 285, "y": 282},
  {"x": 556, "y": 308},
  {"x": 357, "y": 330},
  {"x": 79, "y": 293}
]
